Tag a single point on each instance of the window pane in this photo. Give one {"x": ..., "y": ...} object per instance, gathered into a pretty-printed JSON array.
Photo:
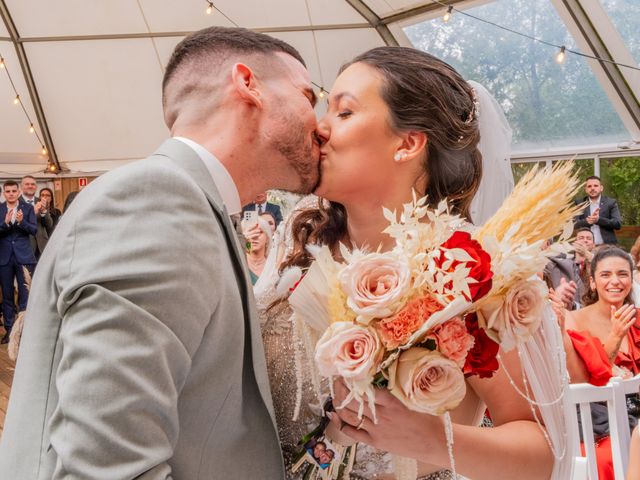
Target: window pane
[
  {"x": 548, "y": 105},
  {"x": 519, "y": 169},
  {"x": 625, "y": 15}
]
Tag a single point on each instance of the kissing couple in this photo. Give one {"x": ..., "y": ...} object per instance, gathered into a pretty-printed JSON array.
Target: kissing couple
[{"x": 142, "y": 354}]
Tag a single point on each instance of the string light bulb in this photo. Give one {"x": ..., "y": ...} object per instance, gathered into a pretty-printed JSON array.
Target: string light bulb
[
  {"x": 44, "y": 150},
  {"x": 561, "y": 55},
  {"x": 447, "y": 16},
  {"x": 209, "y": 9},
  {"x": 322, "y": 93},
  {"x": 16, "y": 100},
  {"x": 1, "y": 62},
  {"x": 31, "y": 129}
]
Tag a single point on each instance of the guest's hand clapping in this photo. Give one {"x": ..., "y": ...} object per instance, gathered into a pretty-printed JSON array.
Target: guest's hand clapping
[
  {"x": 19, "y": 216},
  {"x": 622, "y": 319},
  {"x": 593, "y": 218},
  {"x": 7, "y": 217}
]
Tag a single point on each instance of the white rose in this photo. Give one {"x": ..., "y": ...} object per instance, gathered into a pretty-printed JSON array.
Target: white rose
[
  {"x": 517, "y": 316},
  {"x": 348, "y": 350},
  {"x": 426, "y": 381},
  {"x": 376, "y": 284}
]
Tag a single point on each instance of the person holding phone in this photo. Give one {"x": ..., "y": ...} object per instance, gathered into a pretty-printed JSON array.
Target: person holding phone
[
  {"x": 601, "y": 215},
  {"x": 258, "y": 234}
]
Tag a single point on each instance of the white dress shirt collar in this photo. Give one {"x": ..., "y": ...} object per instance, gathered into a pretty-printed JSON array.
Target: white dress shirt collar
[{"x": 221, "y": 177}]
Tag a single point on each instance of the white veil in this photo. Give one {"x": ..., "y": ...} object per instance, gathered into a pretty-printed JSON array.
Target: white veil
[
  {"x": 543, "y": 357},
  {"x": 495, "y": 146}
]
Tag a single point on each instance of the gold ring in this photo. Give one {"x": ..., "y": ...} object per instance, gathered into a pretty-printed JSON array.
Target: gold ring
[{"x": 360, "y": 424}]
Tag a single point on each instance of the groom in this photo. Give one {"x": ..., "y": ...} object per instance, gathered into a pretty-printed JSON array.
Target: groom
[{"x": 141, "y": 355}]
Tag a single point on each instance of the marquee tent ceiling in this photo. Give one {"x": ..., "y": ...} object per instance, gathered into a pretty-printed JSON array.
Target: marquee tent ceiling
[{"x": 89, "y": 73}]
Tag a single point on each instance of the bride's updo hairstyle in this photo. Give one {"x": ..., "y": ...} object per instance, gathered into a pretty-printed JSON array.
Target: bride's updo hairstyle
[{"x": 423, "y": 94}]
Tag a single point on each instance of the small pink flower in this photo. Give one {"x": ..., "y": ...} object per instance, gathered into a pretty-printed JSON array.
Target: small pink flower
[
  {"x": 397, "y": 329},
  {"x": 454, "y": 342}
]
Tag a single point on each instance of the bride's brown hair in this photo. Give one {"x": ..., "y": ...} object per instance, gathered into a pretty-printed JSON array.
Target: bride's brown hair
[{"x": 423, "y": 94}]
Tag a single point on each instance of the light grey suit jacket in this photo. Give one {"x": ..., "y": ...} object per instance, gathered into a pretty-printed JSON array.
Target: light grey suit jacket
[{"x": 141, "y": 355}]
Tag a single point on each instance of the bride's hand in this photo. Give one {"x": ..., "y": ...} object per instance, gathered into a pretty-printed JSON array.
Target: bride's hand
[{"x": 399, "y": 430}]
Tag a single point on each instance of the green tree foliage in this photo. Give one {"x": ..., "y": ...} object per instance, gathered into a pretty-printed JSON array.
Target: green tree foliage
[{"x": 546, "y": 103}]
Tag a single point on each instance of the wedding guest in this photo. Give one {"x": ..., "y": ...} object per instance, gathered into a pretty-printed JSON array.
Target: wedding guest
[
  {"x": 258, "y": 243},
  {"x": 46, "y": 195},
  {"x": 601, "y": 214},
  {"x": 67, "y": 201},
  {"x": 633, "y": 469},
  {"x": 635, "y": 254},
  {"x": 16, "y": 253},
  {"x": 270, "y": 218},
  {"x": 261, "y": 205},
  {"x": 603, "y": 338},
  {"x": 28, "y": 187}
]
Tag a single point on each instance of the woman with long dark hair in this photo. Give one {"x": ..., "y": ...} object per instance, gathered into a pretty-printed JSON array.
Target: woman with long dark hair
[{"x": 400, "y": 120}]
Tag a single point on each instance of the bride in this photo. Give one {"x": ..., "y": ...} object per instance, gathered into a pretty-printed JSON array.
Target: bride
[{"x": 398, "y": 119}]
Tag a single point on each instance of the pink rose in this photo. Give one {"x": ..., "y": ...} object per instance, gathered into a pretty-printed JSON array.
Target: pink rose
[
  {"x": 426, "y": 381},
  {"x": 397, "y": 329},
  {"x": 517, "y": 316},
  {"x": 348, "y": 350},
  {"x": 376, "y": 284},
  {"x": 454, "y": 342}
]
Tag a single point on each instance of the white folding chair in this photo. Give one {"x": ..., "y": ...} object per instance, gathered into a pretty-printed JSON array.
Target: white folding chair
[
  {"x": 620, "y": 428},
  {"x": 614, "y": 395},
  {"x": 583, "y": 394}
]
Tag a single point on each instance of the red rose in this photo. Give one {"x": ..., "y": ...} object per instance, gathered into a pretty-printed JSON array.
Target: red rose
[
  {"x": 480, "y": 268},
  {"x": 481, "y": 359}
]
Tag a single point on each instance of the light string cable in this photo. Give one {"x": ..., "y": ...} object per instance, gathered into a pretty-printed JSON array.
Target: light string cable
[
  {"x": 17, "y": 100},
  {"x": 561, "y": 48},
  {"x": 211, "y": 7}
]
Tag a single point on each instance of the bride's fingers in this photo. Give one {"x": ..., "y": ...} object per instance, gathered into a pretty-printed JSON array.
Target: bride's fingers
[{"x": 361, "y": 435}]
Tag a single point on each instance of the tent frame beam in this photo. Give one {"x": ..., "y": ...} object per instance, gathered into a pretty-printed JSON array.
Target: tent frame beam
[
  {"x": 31, "y": 85},
  {"x": 375, "y": 21}
]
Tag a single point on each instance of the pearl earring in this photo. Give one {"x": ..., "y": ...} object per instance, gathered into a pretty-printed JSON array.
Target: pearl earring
[{"x": 398, "y": 156}]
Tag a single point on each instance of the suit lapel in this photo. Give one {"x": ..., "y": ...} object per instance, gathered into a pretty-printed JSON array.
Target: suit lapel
[{"x": 188, "y": 160}]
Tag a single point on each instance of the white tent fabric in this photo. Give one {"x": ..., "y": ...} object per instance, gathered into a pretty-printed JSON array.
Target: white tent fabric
[{"x": 89, "y": 73}]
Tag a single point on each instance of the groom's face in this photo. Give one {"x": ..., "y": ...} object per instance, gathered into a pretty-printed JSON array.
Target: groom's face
[{"x": 291, "y": 126}]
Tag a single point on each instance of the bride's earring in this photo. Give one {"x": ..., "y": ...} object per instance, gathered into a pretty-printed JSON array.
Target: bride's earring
[{"x": 399, "y": 156}]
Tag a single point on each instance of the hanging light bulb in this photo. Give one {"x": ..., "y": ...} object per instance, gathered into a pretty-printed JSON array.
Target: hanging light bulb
[
  {"x": 53, "y": 168},
  {"x": 1, "y": 62},
  {"x": 322, "y": 93},
  {"x": 16, "y": 100},
  {"x": 447, "y": 16},
  {"x": 561, "y": 55},
  {"x": 31, "y": 129},
  {"x": 209, "y": 9},
  {"x": 44, "y": 150}
]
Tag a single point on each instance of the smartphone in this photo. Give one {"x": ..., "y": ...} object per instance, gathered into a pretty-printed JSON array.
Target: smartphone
[{"x": 250, "y": 219}]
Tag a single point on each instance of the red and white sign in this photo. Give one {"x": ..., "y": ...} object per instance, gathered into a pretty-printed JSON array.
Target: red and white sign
[
  {"x": 82, "y": 182},
  {"x": 57, "y": 185}
]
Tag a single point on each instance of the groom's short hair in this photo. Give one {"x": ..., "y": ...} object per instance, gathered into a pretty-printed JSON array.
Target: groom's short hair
[{"x": 206, "y": 52}]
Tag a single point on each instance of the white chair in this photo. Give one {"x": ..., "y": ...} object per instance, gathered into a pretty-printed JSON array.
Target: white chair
[{"x": 613, "y": 394}]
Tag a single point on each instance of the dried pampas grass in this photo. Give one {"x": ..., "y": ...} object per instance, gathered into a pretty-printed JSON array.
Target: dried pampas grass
[{"x": 541, "y": 203}]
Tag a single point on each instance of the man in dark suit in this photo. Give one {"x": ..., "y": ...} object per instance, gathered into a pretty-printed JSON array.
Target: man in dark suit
[
  {"x": 44, "y": 220},
  {"x": 261, "y": 206},
  {"x": 19, "y": 222},
  {"x": 601, "y": 214}
]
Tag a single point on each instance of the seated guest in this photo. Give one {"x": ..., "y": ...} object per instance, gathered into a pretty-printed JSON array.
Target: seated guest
[
  {"x": 562, "y": 275},
  {"x": 261, "y": 205},
  {"x": 258, "y": 242},
  {"x": 604, "y": 338},
  {"x": 635, "y": 254},
  {"x": 16, "y": 253},
  {"x": 633, "y": 469}
]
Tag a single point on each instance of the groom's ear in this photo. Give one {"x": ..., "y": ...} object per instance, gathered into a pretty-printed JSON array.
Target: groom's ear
[
  {"x": 413, "y": 144},
  {"x": 245, "y": 84}
]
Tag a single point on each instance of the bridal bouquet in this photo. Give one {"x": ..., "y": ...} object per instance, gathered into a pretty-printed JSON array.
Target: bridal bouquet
[{"x": 437, "y": 307}]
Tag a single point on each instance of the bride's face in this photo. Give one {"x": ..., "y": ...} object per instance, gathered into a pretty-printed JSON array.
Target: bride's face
[{"x": 356, "y": 158}]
